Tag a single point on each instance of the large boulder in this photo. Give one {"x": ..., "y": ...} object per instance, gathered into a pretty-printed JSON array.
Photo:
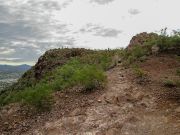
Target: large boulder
[{"x": 141, "y": 38}]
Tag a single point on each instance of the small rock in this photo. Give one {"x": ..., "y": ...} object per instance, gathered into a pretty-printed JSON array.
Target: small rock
[
  {"x": 99, "y": 101},
  {"x": 6, "y": 123}
]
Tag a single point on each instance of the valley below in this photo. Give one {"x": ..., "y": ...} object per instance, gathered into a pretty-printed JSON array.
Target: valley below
[
  {"x": 10, "y": 74},
  {"x": 7, "y": 79}
]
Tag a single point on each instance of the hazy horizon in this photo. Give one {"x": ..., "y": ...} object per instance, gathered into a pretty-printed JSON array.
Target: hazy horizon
[
  {"x": 28, "y": 28},
  {"x": 17, "y": 64}
]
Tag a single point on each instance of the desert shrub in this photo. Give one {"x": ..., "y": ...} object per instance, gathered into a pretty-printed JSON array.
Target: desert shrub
[
  {"x": 169, "y": 83},
  {"x": 130, "y": 60},
  {"x": 89, "y": 77},
  {"x": 175, "y": 41},
  {"x": 38, "y": 96},
  {"x": 134, "y": 54},
  {"x": 178, "y": 72},
  {"x": 177, "y": 58},
  {"x": 139, "y": 72},
  {"x": 138, "y": 52},
  {"x": 3, "y": 96},
  {"x": 168, "y": 42},
  {"x": 76, "y": 73},
  {"x": 165, "y": 41},
  {"x": 178, "y": 83},
  {"x": 62, "y": 76},
  {"x": 102, "y": 59},
  {"x": 150, "y": 43}
]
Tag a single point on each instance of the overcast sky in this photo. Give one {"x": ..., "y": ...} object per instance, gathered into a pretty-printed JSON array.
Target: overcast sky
[{"x": 30, "y": 27}]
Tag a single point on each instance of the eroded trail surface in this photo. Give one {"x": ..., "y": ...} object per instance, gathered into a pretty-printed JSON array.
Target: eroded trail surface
[{"x": 124, "y": 108}]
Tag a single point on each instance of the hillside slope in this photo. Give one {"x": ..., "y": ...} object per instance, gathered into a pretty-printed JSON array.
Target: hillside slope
[
  {"x": 133, "y": 91},
  {"x": 126, "y": 106},
  {"x": 47, "y": 63}
]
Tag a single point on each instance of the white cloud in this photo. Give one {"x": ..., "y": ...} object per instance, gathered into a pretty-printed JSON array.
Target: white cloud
[
  {"x": 5, "y": 51},
  {"x": 98, "y": 30},
  {"x": 9, "y": 59}
]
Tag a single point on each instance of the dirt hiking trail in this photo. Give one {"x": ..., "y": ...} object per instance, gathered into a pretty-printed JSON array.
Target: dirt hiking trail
[{"x": 124, "y": 108}]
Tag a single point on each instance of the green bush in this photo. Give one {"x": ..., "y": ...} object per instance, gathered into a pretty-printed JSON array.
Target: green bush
[
  {"x": 76, "y": 73},
  {"x": 89, "y": 77},
  {"x": 38, "y": 96},
  {"x": 102, "y": 59},
  {"x": 178, "y": 83},
  {"x": 178, "y": 72},
  {"x": 138, "y": 52},
  {"x": 62, "y": 75},
  {"x": 177, "y": 58},
  {"x": 134, "y": 54},
  {"x": 165, "y": 41},
  {"x": 139, "y": 72},
  {"x": 175, "y": 41},
  {"x": 169, "y": 83}
]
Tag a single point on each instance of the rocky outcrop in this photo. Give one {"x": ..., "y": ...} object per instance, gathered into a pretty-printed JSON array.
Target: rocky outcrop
[
  {"x": 48, "y": 62},
  {"x": 54, "y": 58},
  {"x": 141, "y": 38}
]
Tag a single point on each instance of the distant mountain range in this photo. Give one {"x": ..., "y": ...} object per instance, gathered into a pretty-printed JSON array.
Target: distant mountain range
[{"x": 10, "y": 68}]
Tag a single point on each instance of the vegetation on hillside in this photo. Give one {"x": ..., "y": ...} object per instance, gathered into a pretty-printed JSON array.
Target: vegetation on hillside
[
  {"x": 62, "y": 69},
  {"x": 163, "y": 42},
  {"x": 87, "y": 72},
  {"x": 47, "y": 63}
]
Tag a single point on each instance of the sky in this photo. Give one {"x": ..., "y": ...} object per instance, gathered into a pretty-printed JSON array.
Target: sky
[{"x": 28, "y": 28}]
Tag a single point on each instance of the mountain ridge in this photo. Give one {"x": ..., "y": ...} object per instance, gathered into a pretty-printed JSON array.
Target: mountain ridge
[{"x": 14, "y": 68}]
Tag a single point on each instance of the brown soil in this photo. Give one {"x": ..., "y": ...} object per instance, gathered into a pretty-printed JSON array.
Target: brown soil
[{"x": 125, "y": 107}]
